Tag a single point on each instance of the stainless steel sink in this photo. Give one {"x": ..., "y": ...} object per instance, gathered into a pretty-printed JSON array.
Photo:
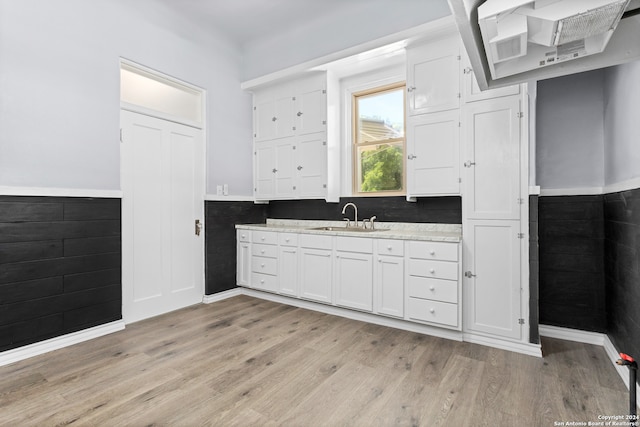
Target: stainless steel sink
[{"x": 349, "y": 229}]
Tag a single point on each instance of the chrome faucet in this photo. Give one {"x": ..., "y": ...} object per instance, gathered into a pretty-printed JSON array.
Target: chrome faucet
[{"x": 355, "y": 209}]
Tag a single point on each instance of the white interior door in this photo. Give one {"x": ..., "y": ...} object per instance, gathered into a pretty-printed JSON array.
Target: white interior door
[{"x": 163, "y": 189}]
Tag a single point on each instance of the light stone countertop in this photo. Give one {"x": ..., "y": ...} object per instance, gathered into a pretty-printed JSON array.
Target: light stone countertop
[{"x": 384, "y": 230}]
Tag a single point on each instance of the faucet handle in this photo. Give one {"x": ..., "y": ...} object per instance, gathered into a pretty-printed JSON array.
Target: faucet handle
[
  {"x": 373, "y": 218},
  {"x": 364, "y": 223},
  {"x": 348, "y": 222}
]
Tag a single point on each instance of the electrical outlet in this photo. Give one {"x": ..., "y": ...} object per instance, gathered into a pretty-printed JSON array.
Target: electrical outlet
[
  {"x": 225, "y": 189},
  {"x": 219, "y": 190}
]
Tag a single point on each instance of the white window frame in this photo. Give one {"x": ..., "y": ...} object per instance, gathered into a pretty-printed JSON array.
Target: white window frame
[{"x": 348, "y": 87}]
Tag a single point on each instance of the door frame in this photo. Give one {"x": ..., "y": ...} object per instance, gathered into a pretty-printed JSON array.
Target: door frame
[{"x": 126, "y": 225}]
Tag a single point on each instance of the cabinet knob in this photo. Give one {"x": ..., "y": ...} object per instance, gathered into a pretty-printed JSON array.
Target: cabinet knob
[
  {"x": 274, "y": 119},
  {"x": 262, "y": 265},
  {"x": 274, "y": 170},
  {"x": 432, "y": 288},
  {"x": 432, "y": 252},
  {"x": 286, "y": 240},
  {"x": 299, "y": 113},
  {"x": 432, "y": 271},
  {"x": 262, "y": 238},
  {"x": 432, "y": 310},
  {"x": 299, "y": 168},
  {"x": 243, "y": 236},
  {"x": 389, "y": 248},
  {"x": 262, "y": 251},
  {"x": 261, "y": 280}
]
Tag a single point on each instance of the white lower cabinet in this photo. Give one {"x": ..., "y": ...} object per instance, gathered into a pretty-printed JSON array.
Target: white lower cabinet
[
  {"x": 416, "y": 281},
  {"x": 316, "y": 267},
  {"x": 354, "y": 273}
]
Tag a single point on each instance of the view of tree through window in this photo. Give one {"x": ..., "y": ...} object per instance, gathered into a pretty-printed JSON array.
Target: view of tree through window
[{"x": 379, "y": 140}]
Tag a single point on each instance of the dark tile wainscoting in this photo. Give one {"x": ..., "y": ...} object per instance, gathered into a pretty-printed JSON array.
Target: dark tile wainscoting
[
  {"x": 572, "y": 273},
  {"x": 534, "y": 267},
  {"x": 60, "y": 266},
  {"x": 622, "y": 268}
]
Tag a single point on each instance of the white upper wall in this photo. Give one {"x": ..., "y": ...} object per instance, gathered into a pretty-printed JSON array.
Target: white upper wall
[
  {"x": 59, "y": 80},
  {"x": 360, "y": 22},
  {"x": 621, "y": 127},
  {"x": 569, "y": 131}
]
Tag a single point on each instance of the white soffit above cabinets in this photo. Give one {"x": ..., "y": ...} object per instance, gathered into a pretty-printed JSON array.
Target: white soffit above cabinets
[{"x": 622, "y": 45}]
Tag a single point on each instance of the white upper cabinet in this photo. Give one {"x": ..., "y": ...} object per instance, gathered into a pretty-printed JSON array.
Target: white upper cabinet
[
  {"x": 433, "y": 160},
  {"x": 290, "y": 140},
  {"x": 492, "y": 159},
  {"x": 471, "y": 90},
  {"x": 433, "y": 77}
]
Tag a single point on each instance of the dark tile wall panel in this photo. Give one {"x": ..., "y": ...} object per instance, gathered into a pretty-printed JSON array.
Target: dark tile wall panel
[
  {"x": 534, "y": 267},
  {"x": 60, "y": 266},
  {"x": 622, "y": 255},
  {"x": 220, "y": 240},
  {"x": 446, "y": 210},
  {"x": 571, "y": 262}
]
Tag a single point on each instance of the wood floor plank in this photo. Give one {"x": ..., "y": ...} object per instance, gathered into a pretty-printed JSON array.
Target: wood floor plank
[{"x": 251, "y": 362}]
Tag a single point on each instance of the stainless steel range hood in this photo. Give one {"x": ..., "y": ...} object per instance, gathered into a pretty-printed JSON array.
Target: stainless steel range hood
[{"x": 617, "y": 44}]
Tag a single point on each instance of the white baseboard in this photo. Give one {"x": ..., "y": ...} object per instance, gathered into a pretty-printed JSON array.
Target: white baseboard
[
  {"x": 568, "y": 334},
  {"x": 59, "y": 192},
  {"x": 534, "y": 350},
  {"x": 593, "y": 338},
  {"x": 31, "y": 350},
  {"x": 208, "y": 299}
]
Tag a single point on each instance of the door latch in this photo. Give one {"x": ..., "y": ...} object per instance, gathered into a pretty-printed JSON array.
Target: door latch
[
  {"x": 198, "y": 227},
  {"x": 469, "y": 274}
]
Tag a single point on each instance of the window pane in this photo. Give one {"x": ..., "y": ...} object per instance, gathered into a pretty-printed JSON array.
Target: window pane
[
  {"x": 380, "y": 116},
  {"x": 380, "y": 167}
]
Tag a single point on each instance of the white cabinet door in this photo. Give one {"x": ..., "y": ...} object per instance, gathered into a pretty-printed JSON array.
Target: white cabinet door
[
  {"x": 284, "y": 114},
  {"x": 354, "y": 280},
  {"x": 315, "y": 274},
  {"x": 288, "y": 270},
  {"x": 389, "y": 286},
  {"x": 265, "y": 169},
  {"x": 433, "y": 77},
  {"x": 285, "y": 173},
  {"x": 492, "y": 159},
  {"x": 311, "y": 165},
  {"x": 492, "y": 293},
  {"x": 264, "y": 118},
  {"x": 243, "y": 264},
  {"x": 311, "y": 109},
  {"x": 472, "y": 92},
  {"x": 433, "y": 146}
]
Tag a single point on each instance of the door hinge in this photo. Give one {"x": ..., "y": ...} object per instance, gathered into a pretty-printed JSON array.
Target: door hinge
[
  {"x": 520, "y": 114},
  {"x": 459, "y": 180},
  {"x": 459, "y": 57},
  {"x": 324, "y": 185},
  {"x": 121, "y": 135},
  {"x": 324, "y": 142},
  {"x": 293, "y": 147},
  {"x": 324, "y": 91},
  {"x": 459, "y": 124},
  {"x": 520, "y": 235},
  {"x": 254, "y": 108},
  {"x": 459, "y": 95},
  {"x": 324, "y": 122},
  {"x": 521, "y": 201},
  {"x": 293, "y": 128},
  {"x": 293, "y": 98},
  {"x": 521, "y": 321}
]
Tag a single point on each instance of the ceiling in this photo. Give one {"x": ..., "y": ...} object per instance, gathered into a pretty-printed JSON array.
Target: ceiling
[{"x": 246, "y": 20}]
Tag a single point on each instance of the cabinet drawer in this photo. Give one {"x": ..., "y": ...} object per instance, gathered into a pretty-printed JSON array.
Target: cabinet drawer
[
  {"x": 288, "y": 239},
  {"x": 433, "y": 269},
  {"x": 433, "y": 289},
  {"x": 433, "y": 250},
  {"x": 425, "y": 310},
  {"x": 313, "y": 241},
  {"x": 391, "y": 247},
  {"x": 269, "y": 251},
  {"x": 354, "y": 244},
  {"x": 266, "y": 237},
  {"x": 243, "y": 236},
  {"x": 265, "y": 282},
  {"x": 264, "y": 265}
]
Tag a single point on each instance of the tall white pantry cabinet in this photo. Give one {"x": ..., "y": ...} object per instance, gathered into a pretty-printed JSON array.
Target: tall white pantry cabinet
[{"x": 462, "y": 141}]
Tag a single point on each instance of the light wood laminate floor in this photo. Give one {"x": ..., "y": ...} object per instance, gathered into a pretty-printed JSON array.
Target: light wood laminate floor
[{"x": 245, "y": 361}]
